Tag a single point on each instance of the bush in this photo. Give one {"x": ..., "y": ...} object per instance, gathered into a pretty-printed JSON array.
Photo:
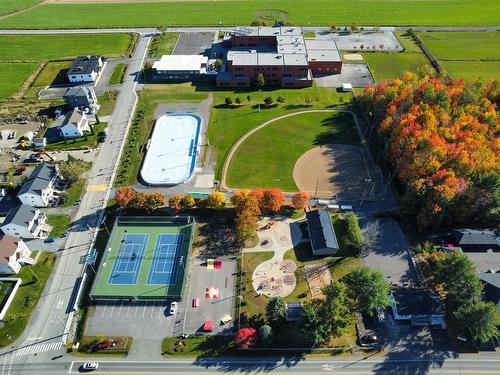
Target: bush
[
  {"x": 353, "y": 230},
  {"x": 237, "y": 100},
  {"x": 268, "y": 100},
  {"x": 266, "y": 336},
  {"x": 228, "y": 101},
  {"x": 280, "y": 99}
]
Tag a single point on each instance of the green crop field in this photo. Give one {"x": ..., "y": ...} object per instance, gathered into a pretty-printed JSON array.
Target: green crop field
[
  {"x": 242, "y": 12},
  {"x": 266, "y": 159},
  {"x": 9, "y": 6},
  {"x": 12, "y": 77},
  {"x": 47, "y": 47}
]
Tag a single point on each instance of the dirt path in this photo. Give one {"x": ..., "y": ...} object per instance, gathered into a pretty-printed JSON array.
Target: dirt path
[{"x": 19, "y": 11}]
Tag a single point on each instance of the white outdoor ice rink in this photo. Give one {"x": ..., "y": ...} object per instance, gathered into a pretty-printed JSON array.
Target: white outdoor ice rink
[{"x": 172, "y": 150}]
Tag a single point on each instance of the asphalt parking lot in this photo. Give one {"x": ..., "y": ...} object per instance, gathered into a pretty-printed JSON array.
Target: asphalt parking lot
[
  {"x": 194, "y": 44},
  {"x": 211, "y": 309},
  {"x": 358, "y": 75}
]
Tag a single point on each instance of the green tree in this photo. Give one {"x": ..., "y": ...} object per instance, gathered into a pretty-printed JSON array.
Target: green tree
[
  {"x": 481, "y": 320},
  {"x": 237, "y": 100},
  {"x": 337, "y": 309},
  {"x": 354, "y": 233},
  {"x": 268, "y": 100},
  {"x": 249, "y": 98},
  {"x": 313, "y": 326},
  {"x": 261, "y": 80},
  {"x": 218, "y": 64},
  {"x": 276, "y": 311},
  {"x": 72, "y": 169},
  {"x": 280, "y": 99},
  {"x": 266, "y": 336},
  {"x": 154, "y": 201},
  {"x": 228, "y": 101},
  {"x": 368, "y": 289}
]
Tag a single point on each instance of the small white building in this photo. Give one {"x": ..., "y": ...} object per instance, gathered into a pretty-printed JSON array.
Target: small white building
[
  {"x": 179, "y": 67},
  {"x": 75, "y": 124},
  {"x": 40, "y": 142},
  {"x": 26, "y": 222},
  {"x": 85, "y": 69},
  {"x": 13, "y": 254},
  {"x": 41, "y": 187},
  {"x": 347, "y": 87}
]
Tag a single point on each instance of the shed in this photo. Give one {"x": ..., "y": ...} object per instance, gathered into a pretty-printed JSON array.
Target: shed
[
  {"x": 323, "y": 237},
  {"x": 346, "y": 87}
]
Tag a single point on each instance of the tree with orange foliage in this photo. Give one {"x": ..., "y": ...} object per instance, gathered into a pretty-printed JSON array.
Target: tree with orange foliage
[
  {"x": 124, "y": 195},
  {"x": 272, "y": 200},
  {"x": 154, "y": 201},
  {"x": 239, "y": 196},
  {"x": 216, "y": 200},
  {"x": 300, "y": 200},
  {"x": 175, "y": 202}
]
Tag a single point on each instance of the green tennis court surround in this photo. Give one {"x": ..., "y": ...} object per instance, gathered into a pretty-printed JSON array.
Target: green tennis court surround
[{"x": 145, "y": 259}]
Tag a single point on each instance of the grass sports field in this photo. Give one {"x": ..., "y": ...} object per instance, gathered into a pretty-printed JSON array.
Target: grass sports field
[
  {"x": 466, "y": 55},
  {"x": 268, "y": 157},
  {"x": 242, "y": 12},
  {"x": 12, "y": 77},
  {"x": 145, "y": 258}
]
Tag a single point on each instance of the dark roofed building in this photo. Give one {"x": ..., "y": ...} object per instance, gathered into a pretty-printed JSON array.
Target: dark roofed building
[
  {"x": 321, "y": 232},
  {"x": 39, "y": 190},
  {"x": 85, "y": 69},
  {"x": 491, "y": 291},
  {"x": 421, "y": 307},
  {"x": 473, "y": 239},
  {"x": 82, "y": 96},
  {"x": 293, "y": 311}
]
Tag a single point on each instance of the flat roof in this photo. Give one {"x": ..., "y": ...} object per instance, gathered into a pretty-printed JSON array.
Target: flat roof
[
  {"x": 312, "y": 44},
  {"x": 268, "y": 30},
  {"x": 180, "y": 62},
  {"x": 171, "y": 154},
  {"x": 323, "y": 55}
]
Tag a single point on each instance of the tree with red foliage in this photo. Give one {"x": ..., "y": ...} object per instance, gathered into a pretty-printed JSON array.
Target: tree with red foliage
[
  {"x": 246, "y": 338},
  {"x": 239, "y": 196},
  {"x": 272, "y": 200},
  {"x": 300, "y": 200},
  {"x": 124, "y": 195}
]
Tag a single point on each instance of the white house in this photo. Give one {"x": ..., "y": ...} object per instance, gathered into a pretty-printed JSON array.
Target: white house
[
  {"x": 26, "y": 222},
  {"x": 75, "y": 124},
  {"x": 13, "y": 254},
  {"x": 41, "y": 187},
  {"x": 85, "y": 69}
]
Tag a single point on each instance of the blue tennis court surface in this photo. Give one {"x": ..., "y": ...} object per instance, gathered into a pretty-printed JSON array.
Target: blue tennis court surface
[
  {"x": 166, "y": 257},
  {"x": 127, "y": 264}
]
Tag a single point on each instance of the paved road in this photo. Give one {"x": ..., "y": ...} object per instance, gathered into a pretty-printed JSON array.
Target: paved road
[{"x": 50, "y": 322}]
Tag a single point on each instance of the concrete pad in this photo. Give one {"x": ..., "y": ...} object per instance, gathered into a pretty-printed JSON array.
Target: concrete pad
[
  {"x": 353, "y": 56},
  {"x": 204, "y": 181}
]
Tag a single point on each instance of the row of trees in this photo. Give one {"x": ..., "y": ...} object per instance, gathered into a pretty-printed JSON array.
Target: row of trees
[
  {"x": 268, "y": 100},
  {"x": 454, "y": 275},
  {"x": 441, "y": 137}
]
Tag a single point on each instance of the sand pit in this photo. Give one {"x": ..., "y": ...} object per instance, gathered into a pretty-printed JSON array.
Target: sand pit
[
  {"x": 353, "y": 57},
  {"x": 333, "y": 172},
  {"x": 272, "y": 279},
  {"x": 318, "y": 276}
]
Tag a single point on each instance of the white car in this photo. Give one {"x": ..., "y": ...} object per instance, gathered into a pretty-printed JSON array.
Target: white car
[
  {"x": 90, "y": 366},
  {"x": 173, "y": 308}
]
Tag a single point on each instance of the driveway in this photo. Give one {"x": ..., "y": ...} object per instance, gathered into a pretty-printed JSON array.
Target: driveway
[{"x": 194, "y": 43}]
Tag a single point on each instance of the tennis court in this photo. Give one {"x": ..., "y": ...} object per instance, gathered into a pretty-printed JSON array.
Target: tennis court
[{"x": 145, "y": 259}]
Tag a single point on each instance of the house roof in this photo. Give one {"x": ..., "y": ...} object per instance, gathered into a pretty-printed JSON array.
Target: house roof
[
  {"x": 8, "y": 247},
  {"x": 418, "y": 302},
  {"x": 321, "y": 230},
  {"x": 474, "y": 237},
  {"x": 77, "y": 91},
  {"x": 180, "y": 62},
  {"x": 20, "y": 215},
  {"x": 74, "y": 118},
  {"x": 491, "y": 291},
  {"x": 84, "y": 65},
  {"x": 39, "y": 179}
]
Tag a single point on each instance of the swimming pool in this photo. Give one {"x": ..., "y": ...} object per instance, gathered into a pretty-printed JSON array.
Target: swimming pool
[{"x": 172, "y": 150}]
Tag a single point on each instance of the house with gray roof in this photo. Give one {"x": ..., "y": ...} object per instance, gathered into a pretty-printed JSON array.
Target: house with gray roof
[
  {"x": 75, "y": 124},
  {"x": 85, "y": 69},
  {"x": 474, "y": 239},
  {"x": 321, "y": 232},
  {"x": 40, "y": 188},
  {"x": 81, "y": 97},
  {"x": 26, "y": 222},
  {"x": 491, "y": 291}
]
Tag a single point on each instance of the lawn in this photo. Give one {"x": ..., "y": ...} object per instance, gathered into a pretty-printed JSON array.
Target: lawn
[
  {"x": 267, "y": 158},
  {"x": 12, "y": 76},
  {"x": 74, "y": 193},
  {"x": 118, "y": 74},
  {"x": 198, "y": 346},
  {"x": 26, "y": 298},
  {"x": 60, "y": 224},
  {"x": 484, "y": 70},
  {"x": 390, "y": 65},
  {"x": 162, "y": 44},
  {"x": 240, "y": 12},
  {"x": 107, "y": 103},
  {"x": 63, "y": 46},
  {"x": 9, "y": 6},
  {"x": 54, "y": 72},
  {"x": 309, "y": 35},
  {"x": 87, "y": 141}
]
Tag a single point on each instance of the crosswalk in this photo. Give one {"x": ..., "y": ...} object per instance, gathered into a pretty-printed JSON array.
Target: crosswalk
[{"x": 39, "y": 348}]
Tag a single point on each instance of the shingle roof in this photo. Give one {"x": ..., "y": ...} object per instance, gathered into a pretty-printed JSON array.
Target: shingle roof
[
  {"x": 473, "y": 237},
  {"x": 84, "y": 65},
  {"x": 321, "y": 230},
  {"x": 491, "y": 291},
  {"x": 39, "y": 179},
  {"x": 415, "y": 302},
  {"x": 20, "y": 215},
  {"x": 8, "y": 247},
  {"x": 77, "y": 91}
]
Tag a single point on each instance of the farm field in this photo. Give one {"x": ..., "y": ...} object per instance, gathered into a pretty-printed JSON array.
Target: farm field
[
  {"x": 12, "y": 77},
  {"x": 9, "y": 6},
  {"x": 267, "y": 158},
  {"x": 28, "y": 47},
  {"x": 240, "y": 12}
]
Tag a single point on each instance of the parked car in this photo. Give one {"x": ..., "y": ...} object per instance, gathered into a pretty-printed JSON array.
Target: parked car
[
  {"x": 49, "y": 240},
  {"x": 90, "y": 366},
  {"x": 173, "y": 308},
  {"x": 196, "y": 302},
  {"x": 369, "y": 339}
]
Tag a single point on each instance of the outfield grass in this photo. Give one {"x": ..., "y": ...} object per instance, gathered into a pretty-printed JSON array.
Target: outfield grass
[
  {"x": 26, "y": 298},
  {"x": 240, "y": 12},
  {"x": 162, "y": 44},
  {"x": 462, "y": 45},
  {"x": 12, "y": 76},
  {"x": 89, "y": 140},
  {"x": 47, "y": 47},
  {"x": 118, "y": 74},
  {"x": 267, "y": 158},
  {"x": 60, "y": 224},
  {"x": 9, "y": 6},
  {"x": 53, "y": 72}
]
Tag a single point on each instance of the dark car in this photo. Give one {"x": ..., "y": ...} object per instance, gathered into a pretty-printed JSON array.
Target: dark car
[
  {"x": 49, "y": 240},
  {"x": 369, "y": 339}
]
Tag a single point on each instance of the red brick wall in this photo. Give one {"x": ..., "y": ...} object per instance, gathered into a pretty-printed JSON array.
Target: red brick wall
[{"x": 326, "y": 67}]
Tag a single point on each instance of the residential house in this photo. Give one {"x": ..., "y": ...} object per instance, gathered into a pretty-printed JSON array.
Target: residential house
[
  {"x": 81, "y": 97},
  {"x": 321, "y": 232},
  {"x": 491, "y": 291},
  {"x": 420, "y": 307},
  {"x": 473, "y": 239},
  {"x": 85, "y": 69},
  {"x": 75, "y": 124},
  {"x": 41, "y": 187},
  {"x": 13, "y": 254},
  {"x": 26, "y": 222}
]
